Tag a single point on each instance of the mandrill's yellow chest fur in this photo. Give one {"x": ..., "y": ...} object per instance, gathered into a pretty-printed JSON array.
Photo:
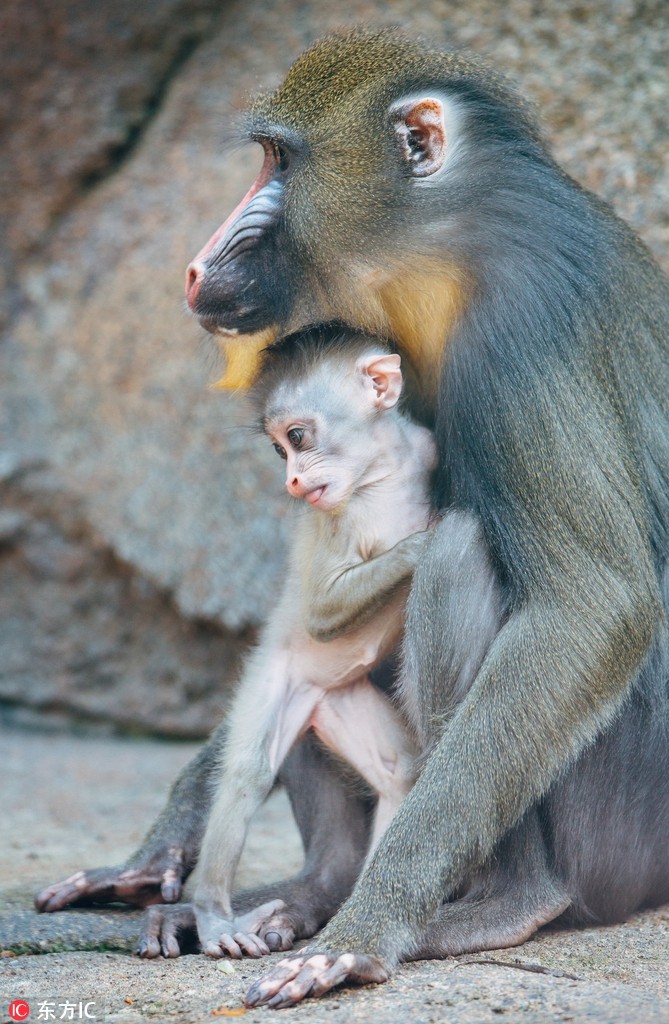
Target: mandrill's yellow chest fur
[
  {"x": 417, "y": 310},
  {"x": 242, "y": 358},
  {"x": 422, "y": 309}
]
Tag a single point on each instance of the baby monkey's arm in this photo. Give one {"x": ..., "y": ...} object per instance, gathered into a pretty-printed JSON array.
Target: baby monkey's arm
[{"x": 337, "y": 598}]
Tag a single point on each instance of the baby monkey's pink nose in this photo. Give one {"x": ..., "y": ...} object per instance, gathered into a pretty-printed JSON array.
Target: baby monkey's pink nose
[{"x": 296, "y": 487}]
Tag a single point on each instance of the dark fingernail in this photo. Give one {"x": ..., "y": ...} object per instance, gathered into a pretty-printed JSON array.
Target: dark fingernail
[
  {"x": 170, "y": 892},
  {"x": 273, "y": 940}
]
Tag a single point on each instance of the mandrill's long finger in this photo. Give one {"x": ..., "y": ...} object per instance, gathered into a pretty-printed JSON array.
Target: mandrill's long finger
[
  {"x": 82, "y": 887},
  {"x": 149, "y": 941},
  {"x": 302, "y": 985},
  {"x": 168, "y": 930},
  {"x": 172, "y": 884},
  {"x": 262, "y": 990},
  {"x": 353, "y": 967},
  {"x": 169, "y": 943}
]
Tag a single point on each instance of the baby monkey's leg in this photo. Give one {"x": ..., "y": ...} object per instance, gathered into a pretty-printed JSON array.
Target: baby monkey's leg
[
  {"x": 267, "y": 716},
  {"x": 363, "y": 727},
  {"x": 319, "y": 795}
]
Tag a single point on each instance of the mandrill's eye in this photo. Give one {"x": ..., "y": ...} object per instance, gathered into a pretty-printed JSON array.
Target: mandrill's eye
[
  {"x": 295, "y": 436},
  {"x": 280, "y": 156},
  {"x": 281, "y": 452}
]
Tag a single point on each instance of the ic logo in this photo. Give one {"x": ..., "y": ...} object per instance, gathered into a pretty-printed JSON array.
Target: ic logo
[{"x": 19, "y": 1010}]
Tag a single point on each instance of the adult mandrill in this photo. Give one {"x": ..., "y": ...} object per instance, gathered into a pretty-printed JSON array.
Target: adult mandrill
[{"x": 408, "y": 192}]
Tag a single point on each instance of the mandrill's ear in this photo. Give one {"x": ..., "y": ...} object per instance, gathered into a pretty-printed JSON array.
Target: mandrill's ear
[
  {"x": 382, "y": 378},
  {"x": 421, "y": 131}
]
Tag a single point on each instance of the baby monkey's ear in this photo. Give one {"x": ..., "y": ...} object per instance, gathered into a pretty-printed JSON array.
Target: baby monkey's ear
[{"x": 383, "y": 376}]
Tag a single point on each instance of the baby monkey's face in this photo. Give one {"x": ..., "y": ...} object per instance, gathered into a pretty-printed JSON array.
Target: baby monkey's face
[
  {"x": 320, "y": 467},
  {"x": 328, "y": 428}
]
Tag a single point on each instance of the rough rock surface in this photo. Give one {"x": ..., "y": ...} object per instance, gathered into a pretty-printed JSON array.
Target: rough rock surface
[
  {"x": 78, "y": 81},
  {"x": 86, "y": 636},
  {"x": 114, "y": 176},
  {"x": 73, "y": 802}
]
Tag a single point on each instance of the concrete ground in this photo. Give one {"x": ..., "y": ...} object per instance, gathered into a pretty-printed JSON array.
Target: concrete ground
[{"x": 72, "y": 801}]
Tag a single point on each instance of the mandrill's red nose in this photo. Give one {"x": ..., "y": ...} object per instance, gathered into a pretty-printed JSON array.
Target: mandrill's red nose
[{"x": 194, "y": 275}]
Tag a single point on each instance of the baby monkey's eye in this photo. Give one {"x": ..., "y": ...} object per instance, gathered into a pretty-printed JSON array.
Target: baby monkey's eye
[
  {"x": 280, "y": 451},
  {"x": 295, "y": 436}
]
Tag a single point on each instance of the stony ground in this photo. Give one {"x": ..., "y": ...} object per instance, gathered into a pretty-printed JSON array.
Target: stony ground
[{"x": 75, "y": 801}]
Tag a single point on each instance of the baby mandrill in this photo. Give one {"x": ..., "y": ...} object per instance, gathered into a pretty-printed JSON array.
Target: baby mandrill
[{"x": 328, "y": 401}]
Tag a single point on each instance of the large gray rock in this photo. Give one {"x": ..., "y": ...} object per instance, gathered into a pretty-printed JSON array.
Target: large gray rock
[
  {"x": 84, "y": 636},
  {"x": 78, "y": 81},
  {"x": 104, "y": 376}
]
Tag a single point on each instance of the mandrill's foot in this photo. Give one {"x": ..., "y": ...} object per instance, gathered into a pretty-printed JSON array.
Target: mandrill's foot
[
  {"x": 168, "y": 931},
  {"x": 310, "y": 973},
  {"x": 158, "y": 881},
  {"x": 235, "y": 937}
]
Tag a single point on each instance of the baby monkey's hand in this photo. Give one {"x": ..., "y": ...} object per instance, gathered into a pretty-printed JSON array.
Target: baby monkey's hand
[{"x": 234, "y": 937}]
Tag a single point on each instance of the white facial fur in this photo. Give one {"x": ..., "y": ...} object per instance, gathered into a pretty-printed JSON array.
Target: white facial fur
[{"x": 325, "y": 425}]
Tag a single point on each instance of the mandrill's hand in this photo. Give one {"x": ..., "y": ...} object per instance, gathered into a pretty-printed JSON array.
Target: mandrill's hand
[
  {"x": 312, "y": 973},
  {"x": 158, "y": 880}
]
